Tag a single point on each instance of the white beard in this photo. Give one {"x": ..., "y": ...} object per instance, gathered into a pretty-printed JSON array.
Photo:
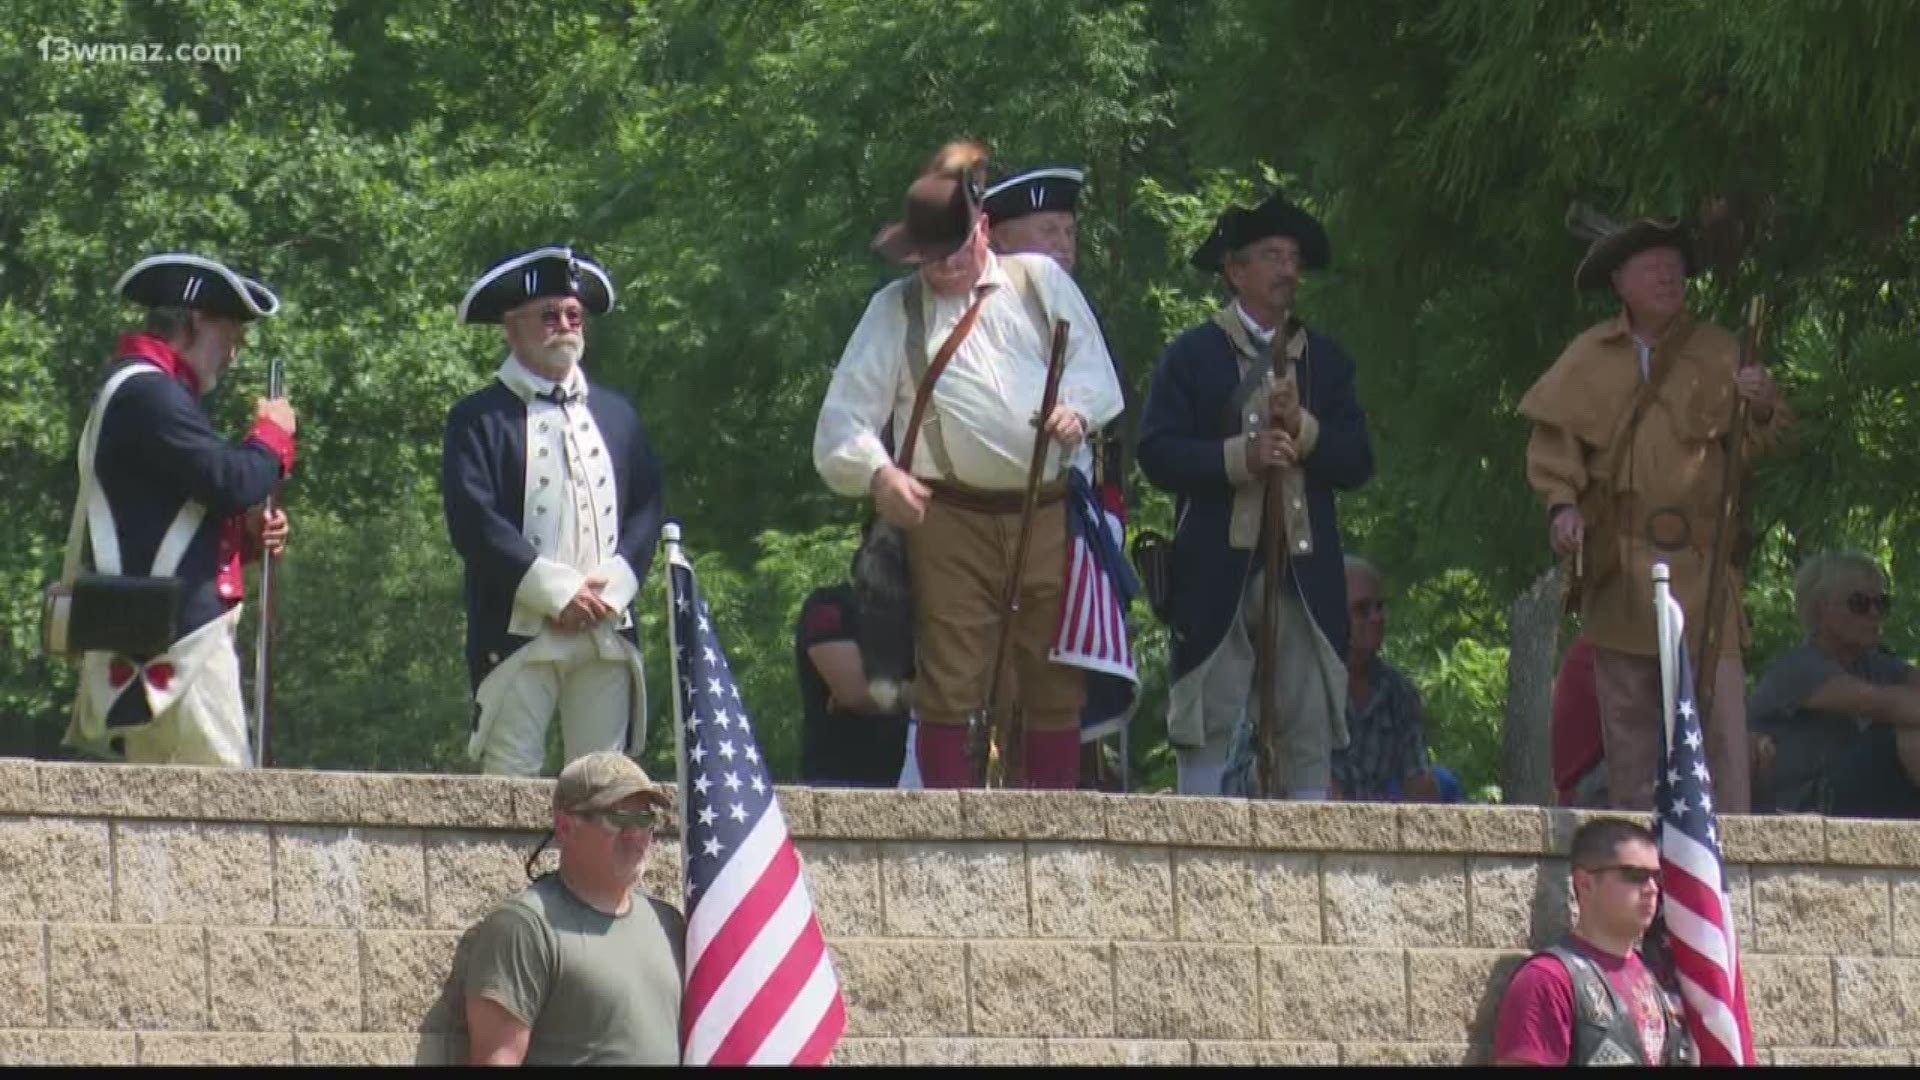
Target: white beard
[{"x": 564, "y": 353}]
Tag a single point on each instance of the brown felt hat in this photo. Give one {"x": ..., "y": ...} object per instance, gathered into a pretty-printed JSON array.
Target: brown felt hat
[
  {"x": 1606, "y": 254},
  {"x": 941, "y": 208}
]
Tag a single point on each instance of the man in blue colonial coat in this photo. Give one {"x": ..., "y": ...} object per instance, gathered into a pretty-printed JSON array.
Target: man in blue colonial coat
[
  {"x": 1217, "y": 421},
  {"x": 553, "y": 499},
  {"x": 164, "y": 498}
]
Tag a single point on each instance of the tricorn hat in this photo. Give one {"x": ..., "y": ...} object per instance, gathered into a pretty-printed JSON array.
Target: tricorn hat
[
  {"x": 547, "y": 271},
  {"x": 941, "y": 207},
  {"x": 1033, "y": 192},
  {"x": 1623, "y": 242},
  {"x": 192, "y": 281},
  {"x": 1237, "y": 227}
]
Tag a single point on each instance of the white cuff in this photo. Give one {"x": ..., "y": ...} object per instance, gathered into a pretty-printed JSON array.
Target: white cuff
[
  {"x": 1234, "y": 451},
  {"x": 621, "y": 585},
  {"x": 1309, "y": 435},
  {"x": 548, "y": 587}
]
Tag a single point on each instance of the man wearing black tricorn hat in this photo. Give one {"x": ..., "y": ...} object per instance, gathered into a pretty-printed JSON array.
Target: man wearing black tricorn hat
[
  {"x": 1217, "y": 422},
  {"x": 553, "y": 499},
  {"x": 958, "y": 485},
  {"x": 1036, "y": 212},
  {"x": 167, "y": 513}
]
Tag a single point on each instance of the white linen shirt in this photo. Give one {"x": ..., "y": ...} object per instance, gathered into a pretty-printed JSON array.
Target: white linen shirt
[{"x": 983, "y": 405}]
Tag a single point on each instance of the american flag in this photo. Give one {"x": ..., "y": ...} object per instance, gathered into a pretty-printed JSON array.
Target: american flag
[
  {"x": 1092, "y": 631},
  {"x": 761, "y": 989},
  {"x": 1693, "y": 890}
]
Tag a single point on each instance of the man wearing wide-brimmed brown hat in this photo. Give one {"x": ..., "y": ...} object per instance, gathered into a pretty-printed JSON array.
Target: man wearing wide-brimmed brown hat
[
  {"x": 956, "y": 484},
  {"x": 1628, "y": 451}
]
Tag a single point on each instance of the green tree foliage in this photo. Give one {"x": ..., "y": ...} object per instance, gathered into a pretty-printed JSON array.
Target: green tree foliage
[{"x": 730, "y": 164}]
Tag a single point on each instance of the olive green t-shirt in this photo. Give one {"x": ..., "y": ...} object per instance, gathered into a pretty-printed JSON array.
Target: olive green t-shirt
[{"x": 595, "y": 989}]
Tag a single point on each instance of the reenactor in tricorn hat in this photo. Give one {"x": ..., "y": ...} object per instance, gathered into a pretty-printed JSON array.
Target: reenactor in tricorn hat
[
  {"x": 168, "y": 510},
  {"x": 1037, "y": 212},
  {"x": 1253, "y": 424},
  {"x": 553, "y": 499}
]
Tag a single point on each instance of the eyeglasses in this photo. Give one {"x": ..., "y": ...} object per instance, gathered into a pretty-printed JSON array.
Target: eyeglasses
[
  {"x": 1862, "y": 603},
  {"x": 622, "y": 819},
  {"x": 571, "y": 316},
  {"x": 1363, "y": 608},
  {"x": 1632, "y": 875}
]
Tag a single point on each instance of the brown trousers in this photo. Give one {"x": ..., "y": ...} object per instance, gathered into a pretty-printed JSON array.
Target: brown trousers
[
  {"x": 1628, "y": 687},
  {"x": 959, "y": 560}
]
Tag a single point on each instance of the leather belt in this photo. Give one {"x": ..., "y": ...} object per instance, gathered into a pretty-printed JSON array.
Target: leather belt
[{"x": 983, "y": 501}]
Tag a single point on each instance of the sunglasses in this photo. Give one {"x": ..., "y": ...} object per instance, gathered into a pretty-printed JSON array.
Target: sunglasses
[
  {"x": 1632, "y": 875},
  {"x": 622, "y": 819},
  {"x": 572, "y": 316},
  {"x": 1862, "y": 604}
]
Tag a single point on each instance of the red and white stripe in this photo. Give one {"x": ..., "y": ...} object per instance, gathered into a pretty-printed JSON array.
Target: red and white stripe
[
  {"x": 1093, "y": 624},
  {"x": 1706, "y": 956},
  {"x": 760, "y": 986}
]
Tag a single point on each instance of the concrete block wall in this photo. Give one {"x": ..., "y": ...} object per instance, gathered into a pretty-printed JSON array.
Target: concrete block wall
[{"x": 183, "y": 916}]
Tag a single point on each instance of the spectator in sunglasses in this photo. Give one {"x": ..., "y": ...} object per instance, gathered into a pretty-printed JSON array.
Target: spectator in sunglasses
[
  {"x": 1842, "y": 712},
  {"x": 580, "y": 968},
  {"x": 1591, "y": 999}
]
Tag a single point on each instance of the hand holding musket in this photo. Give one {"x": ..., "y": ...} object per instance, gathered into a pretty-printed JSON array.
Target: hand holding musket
[
  {"x": 979, "y": 750},
  {"x": 1284, "y": 398},
  {"x": 263, "y": 645}
]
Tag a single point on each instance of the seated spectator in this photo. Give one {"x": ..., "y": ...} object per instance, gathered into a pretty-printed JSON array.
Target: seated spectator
[
  {"x": 847, "y": 740},
  {"x": 1579, "y": 765},
  {"x": 1843, "y": 714},
  {"x": 1386, "y": 756}
]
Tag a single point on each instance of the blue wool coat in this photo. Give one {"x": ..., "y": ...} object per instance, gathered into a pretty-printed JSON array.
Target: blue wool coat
[
  {"x": 482, "y": 489},
  {"x": 1181, "y": 432},
  {"x": 158, "y": 450}
]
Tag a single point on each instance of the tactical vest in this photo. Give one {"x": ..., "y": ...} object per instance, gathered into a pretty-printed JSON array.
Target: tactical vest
[{"x": 1604, "y": 1032}]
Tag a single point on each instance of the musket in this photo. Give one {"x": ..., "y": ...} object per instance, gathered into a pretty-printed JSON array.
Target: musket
[
  {"x": 263, "y": 645},
  {"x": 1732, "y": 475},
  {"x": 1273, "y": 530},
  {"x": 980, "y": 751}
]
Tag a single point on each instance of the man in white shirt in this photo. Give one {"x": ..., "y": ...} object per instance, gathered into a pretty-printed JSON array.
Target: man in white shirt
[{"x": 958, "y": 488}]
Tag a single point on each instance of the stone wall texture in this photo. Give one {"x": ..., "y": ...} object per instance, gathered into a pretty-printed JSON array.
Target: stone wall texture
[{"x": 194, "y": 916}]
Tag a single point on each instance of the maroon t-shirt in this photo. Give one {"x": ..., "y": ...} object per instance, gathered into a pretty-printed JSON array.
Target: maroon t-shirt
[{"x": 1537, "y": 1013}]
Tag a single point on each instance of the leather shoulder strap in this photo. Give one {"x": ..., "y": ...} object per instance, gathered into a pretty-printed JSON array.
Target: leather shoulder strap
[
  {"x": 916, "y": 348},
  {"x": 1036, "y": 308},
  {"x": 1660, "y": 365}
]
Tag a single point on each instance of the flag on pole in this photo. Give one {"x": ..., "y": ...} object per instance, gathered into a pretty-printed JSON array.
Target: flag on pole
[
  {"x": 1091, "y": 631},
  {"x": 761, "y": 988},
  {"x": 1693, "y": 886}
]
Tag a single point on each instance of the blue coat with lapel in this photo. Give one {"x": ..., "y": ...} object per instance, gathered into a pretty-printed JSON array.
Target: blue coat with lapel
[
  {"x": 1181, "y": 432},
  {"x": 482, "y": 488}
]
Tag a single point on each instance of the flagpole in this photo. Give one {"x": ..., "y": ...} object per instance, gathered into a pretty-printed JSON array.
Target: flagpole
[
  {"x": 670, "y": 540},
  {"x": 1664, "y": 618}
]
